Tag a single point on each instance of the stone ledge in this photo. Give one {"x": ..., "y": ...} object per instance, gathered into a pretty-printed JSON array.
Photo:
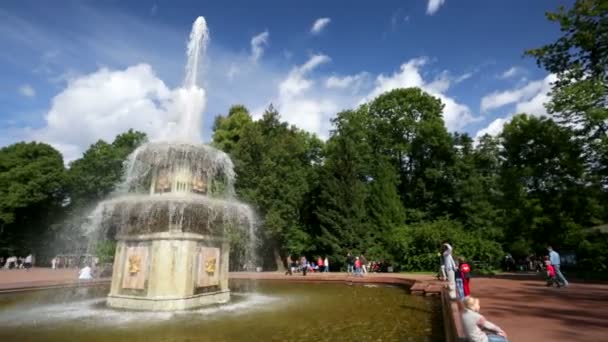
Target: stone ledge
[{"x": 167, "y": 304}]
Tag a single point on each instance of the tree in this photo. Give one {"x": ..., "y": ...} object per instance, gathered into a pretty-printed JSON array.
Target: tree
[
  {"x": 544, "y": 197},
  {"x": 90, "y": 180},
  {"x": 32, "y": 179},
  {"x": 476, "y": 190},
  {"x": 341, "y": 204},
  {"x": 579, "y": 59},
  {"x": 228, "y": 130},
  {"x": 406, "y": 126},
  {"x": 96, "y": 174},
  {"x": 273, "y": 163}
]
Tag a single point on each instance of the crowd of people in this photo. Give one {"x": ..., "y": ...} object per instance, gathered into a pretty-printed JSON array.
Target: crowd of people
[
  {"x": 14, "y": 262},
  {"x": 304, "y": 266},
  {"x": 355, "y": 265}
]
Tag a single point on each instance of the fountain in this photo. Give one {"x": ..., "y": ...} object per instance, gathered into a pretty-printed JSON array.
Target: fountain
[{"x": 174, "y": 211}]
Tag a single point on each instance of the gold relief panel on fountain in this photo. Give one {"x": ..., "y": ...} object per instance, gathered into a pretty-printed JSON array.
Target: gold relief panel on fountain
[
  {"x": 208, "y": 259},
  {"x": 199, "y": 184},
  {"x": 135, "y": 268}
]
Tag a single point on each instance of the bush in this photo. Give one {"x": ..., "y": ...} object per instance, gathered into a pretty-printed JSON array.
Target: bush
[{"x": 416, "y": 247}]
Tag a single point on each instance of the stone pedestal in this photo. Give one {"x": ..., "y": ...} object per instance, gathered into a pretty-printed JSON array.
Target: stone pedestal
[{"x": 169, "y": 271}]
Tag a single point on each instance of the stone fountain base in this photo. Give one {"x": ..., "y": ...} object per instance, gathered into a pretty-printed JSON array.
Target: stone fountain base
[
  {"x": 168, "y": 304},
  {"x": 169, "y": 271}
]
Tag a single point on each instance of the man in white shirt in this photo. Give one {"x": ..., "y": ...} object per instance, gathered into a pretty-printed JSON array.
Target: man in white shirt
[{"x": 556, "y": 262}]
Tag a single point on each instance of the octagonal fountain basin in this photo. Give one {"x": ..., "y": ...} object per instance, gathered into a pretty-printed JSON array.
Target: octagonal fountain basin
[{"x": 275, "y": 311}]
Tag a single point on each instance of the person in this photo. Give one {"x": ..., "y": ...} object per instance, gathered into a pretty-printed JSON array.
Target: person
[
  {"x": 54, "y": 263},
  {"x": 326, "y": 263},
  {"x": 442, "y": 275},
  {"x": 465, "y": 275},
  {"x": 304, "y": 265},
  {"x": 363, "y": 264},
  {"x": 450, "y": 268},
  {"x": 350, "y": 261},
  {"x": 555, "y": 261},
  {"x": 85, "y": 272},
  {"x": 288, "y": 261},
  {"x": 476, "y": 327},
  {"x": 459, "y": 282},
  {"x": 27, "y": 263},
  {"x": 358, "y": 267},
  {"x": 320, "y": 264},
  {"x": 551, "y": 279}
]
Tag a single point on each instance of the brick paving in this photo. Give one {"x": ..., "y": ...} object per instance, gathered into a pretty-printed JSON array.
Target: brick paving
[
  {"x": 529, "y": 311},
  {"x": 520, "y": 304}
]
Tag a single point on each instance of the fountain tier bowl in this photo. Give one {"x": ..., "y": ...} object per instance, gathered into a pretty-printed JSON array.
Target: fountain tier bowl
[{"x": 187, "y": 213}]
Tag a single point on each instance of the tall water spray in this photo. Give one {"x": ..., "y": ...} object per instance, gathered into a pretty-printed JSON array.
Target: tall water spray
[
  {"x": 197, "y": 46},
  {"x": 190, "y": 99}
]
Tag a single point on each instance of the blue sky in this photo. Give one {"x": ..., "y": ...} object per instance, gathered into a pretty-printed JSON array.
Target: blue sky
[{"x": 77, "y": 71}]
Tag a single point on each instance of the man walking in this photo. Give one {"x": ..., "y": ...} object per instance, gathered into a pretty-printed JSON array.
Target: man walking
[{"x": 555, "y": 261}]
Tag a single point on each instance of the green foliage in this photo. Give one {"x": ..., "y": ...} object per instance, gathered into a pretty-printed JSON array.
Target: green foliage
[
  {"x": 92, "y": 177},
  {"x": 579, "y": 59},
  {"x": 32, "y": 179},
  {"x": 105, "y": 251},
  {"x": 273, "y": 163},
  {"x": 417, "y": 246},
  {"x": 340, "y": 204},
  {"x": 228, "y": 130}
]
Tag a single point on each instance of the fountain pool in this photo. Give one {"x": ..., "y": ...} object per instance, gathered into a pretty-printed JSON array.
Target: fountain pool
[{"x": 276, "y": 311}]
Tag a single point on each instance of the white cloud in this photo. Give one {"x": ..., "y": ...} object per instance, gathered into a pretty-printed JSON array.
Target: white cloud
[
  {"x": 107, "y": 102},
  {"x": 455, "y": 115},
  {"x": 511, "y": 72},
  {"x": 533, "y": 103},
  {"x": 319, "y": 25},
  {"x": 258, "y": 43},
  {"x": 233, "y": 71},
  {"x": 27, "y": 90},
  {"x": 350, "y": 81},
  {"x": 499, "y": 99},
  {"x": 301, "y": 103},
  {"x": 463, "y": 77},
  {"x": 494, "y": 128},
  {"x": 296, "y": 82},
  {"x": 433, "y": 6}
]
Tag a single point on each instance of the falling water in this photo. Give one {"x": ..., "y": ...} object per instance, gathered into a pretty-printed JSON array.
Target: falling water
[{"x": 196, "y": 193}]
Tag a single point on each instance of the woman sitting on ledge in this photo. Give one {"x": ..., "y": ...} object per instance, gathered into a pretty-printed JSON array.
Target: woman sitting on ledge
[{"x": 476, "y": 327}]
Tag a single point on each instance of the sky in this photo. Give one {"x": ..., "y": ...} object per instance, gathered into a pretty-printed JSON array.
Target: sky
[{"x": 76, "y": 71}]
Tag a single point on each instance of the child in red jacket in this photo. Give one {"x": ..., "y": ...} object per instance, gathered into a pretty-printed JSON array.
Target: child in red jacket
[{"x": 465, "y": 274}]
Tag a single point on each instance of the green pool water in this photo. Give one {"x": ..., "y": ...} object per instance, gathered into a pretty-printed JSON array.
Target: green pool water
[{"x": 258, "y": 311}]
